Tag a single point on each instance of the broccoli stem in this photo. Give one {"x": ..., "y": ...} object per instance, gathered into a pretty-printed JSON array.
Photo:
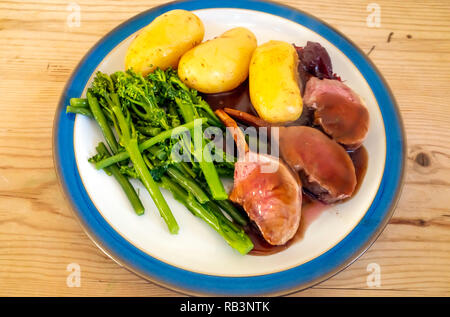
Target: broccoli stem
[
  {"x": 149, "y": 131},
  {"x": 79, "y": 102},
  {"x": 146, "y": 179},
  {"x": 212, "y": 178},
  {"x": 224, "y": 172},
  {"x": 147, "y": 144},
  {"x": 207, "y": 166},
  {"x": 128, "y": 138},
  {"x": 186, "y": 110},
  {"x": 225, "y": 204},
  {"x": 123, "y": 181},
  {"x": 193, "y": 186},
  {"x": 188, "y": 184},
  {"x": 173, "y": 115},
  {"x": 229, "y": 208},
  {"x": 99, "y": 116},
  {"x": 232, "y": 211},
  {"x": 234, "y": 236},
  {"x": 158, "y": 152},
  {"x": 185, "y": 167},
  {"x": 212, "y": 118},
  {"x": 215, "y": 208},
  {"x": 185, "y": 181},
  {"x": 79, "y": 110}
]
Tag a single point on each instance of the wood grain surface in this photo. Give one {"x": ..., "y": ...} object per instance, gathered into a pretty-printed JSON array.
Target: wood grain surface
[{"x": 39, "y": 235}]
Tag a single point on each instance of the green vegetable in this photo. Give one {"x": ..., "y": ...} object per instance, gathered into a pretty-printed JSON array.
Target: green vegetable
[
  {"x": 188, "y": 103},
  {"x": 123, "y": 181},
  {"x": 149, "y": 143},
  {"x": 148, "y": 130},
  {"x": 79, "y": 102},
  {"x": 79, "y": 110},
  {"x": 230, "y": 209},
  {"x": 188, "y": 184},
  {"x": 128, "y": 138},
  {"x": 194, "y": 189},
  {"x": 185, "y": 167},
  {"x": 139, "y": 92},
  {"x": 207, "y": 166},
  {"x": 233, "y": 212},
  {"x": 102, "y": 122},
  {"x": 235, "y": 236},
  {"x": 146, "y": 112},
  {"x": 238, "y": 216}
]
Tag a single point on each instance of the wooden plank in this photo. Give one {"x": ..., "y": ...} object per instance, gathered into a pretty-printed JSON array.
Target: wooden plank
[{"x": 39, "y": 236}]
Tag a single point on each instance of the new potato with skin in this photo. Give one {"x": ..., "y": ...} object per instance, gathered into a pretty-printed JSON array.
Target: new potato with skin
[
  {"x": 274, "y": 83},
  {"x": 220, "y": 64},
  {"x": 163, "y": 42}
]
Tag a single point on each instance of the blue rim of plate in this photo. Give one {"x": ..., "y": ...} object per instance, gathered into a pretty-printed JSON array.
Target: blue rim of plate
[{"x": 284, "y": 282}]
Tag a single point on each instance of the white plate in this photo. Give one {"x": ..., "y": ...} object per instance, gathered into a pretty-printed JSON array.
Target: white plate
[{"x": 197, "y": 247}]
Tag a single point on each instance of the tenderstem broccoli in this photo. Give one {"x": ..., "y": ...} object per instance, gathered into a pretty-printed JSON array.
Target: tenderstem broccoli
[
  {"x": 233, "y": 235},
  {"x": 146, "y": 113},
  {"x": 128, "y": 138},
  {"x": 149, "y": 143},
  {"x": 123, "y": 181}
]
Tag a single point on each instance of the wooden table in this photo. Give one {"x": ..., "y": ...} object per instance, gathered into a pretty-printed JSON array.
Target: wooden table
[{"x": 39, "y": 235}]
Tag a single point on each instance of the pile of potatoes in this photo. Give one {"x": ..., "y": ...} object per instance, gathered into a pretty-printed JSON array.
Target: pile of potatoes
[{"x": 174, "y": 39}]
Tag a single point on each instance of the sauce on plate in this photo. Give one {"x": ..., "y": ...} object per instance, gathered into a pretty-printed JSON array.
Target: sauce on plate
[{"x": 239, "y": 99}]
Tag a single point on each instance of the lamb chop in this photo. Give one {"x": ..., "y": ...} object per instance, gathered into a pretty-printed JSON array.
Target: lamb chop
[
  {"x": 325, "y": 168},
  {"x": 338, "y": 110},
  {"x": 266, "y": 188}
]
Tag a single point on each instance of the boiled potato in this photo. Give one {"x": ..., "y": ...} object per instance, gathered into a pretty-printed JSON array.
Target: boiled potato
[
  {"x": 220, "y": 64},
  {"x": 163, "y": 42},
  {"x": 273, "y": 82}
]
